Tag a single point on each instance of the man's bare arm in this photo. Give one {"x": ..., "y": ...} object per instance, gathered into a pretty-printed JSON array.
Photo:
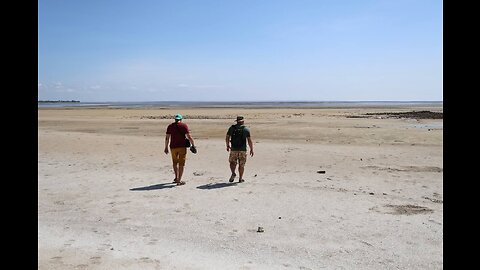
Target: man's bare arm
[
  {"x": 250, "y": 143},
  {"x": 167, "y": 140},
  {"x": 190, "y": 139},
  {"x": 227, "y": 142}
]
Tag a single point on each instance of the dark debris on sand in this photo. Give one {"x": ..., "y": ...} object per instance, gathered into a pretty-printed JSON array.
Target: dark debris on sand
[
  {"x": 412, "y": 114},
  {"x": 188, "y": 117}
]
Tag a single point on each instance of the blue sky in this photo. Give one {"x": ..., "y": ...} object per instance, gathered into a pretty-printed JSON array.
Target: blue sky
[{"x": 225, "y": 50}]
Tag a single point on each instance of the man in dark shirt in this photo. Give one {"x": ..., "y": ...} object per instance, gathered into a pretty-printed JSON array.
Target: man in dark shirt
[
  {"x": 175, "y": 135},
  {"x": 236, "y": 140}
]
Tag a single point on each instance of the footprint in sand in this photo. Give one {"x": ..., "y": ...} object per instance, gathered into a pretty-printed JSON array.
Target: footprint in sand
[
  {"x": 69, "y": 243},
  {"x": 436, "y": 222},
  {"x": 407, "y": 209},
  {"x": 104, "y": 247},
  {"x": 152, "y": 241},
  {"x": 122, "y": 220},
  {"x": 145, "y": 259},
  {"x": 151, "y": 196},
  {"x": 95, "y": 260},
  {"x": 432, "y": 199}
]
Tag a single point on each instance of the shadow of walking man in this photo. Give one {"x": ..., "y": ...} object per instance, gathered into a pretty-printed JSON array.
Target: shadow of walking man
[
  {"x": 216, "y": 185},
  {"x": 154, "y": 187}
]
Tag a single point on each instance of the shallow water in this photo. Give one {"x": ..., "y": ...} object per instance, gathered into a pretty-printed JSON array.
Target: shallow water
[{"x": 429, "y": 126}]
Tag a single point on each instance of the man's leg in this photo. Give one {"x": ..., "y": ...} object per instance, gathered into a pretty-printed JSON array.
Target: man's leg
[
  {"x": 241, "y": 169},
  {"x": 233, "y": 164},
  {"x": 175, "y": 169},
  {"x": 182, "y": 154},
  {"x": 180, "y": 172},
  {"x": 175, "y": 163},
  {"x": 242, "y": 159}
]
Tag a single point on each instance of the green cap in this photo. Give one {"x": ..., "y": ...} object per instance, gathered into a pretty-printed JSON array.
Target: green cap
[{"x": 178, "y": 117}]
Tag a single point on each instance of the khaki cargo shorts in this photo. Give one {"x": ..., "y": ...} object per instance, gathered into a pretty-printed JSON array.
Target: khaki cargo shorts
[
  {"x": 179, "y": 155},
  {"x": 239, "y": 157}
]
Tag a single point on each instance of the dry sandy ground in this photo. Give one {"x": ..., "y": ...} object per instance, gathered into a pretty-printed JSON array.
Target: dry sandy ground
[{"x": 105, "y": 198}]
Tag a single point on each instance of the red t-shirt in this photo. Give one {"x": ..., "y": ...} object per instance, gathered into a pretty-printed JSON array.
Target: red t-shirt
[{"x": 177, "y": 133}]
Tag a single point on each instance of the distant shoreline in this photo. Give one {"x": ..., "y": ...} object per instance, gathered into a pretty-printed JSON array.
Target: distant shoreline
[
  {"x": 58, "y": 101},
  {"x": 246, "y": 104}
]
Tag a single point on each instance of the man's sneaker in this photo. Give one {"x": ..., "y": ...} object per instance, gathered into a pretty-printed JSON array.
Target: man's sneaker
[
  {"x": 232, "y": 177},
  {"x": 241, "y": 181}
]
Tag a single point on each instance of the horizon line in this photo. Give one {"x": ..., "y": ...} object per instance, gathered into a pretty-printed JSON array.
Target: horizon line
[{"x": 236, "y": 101}]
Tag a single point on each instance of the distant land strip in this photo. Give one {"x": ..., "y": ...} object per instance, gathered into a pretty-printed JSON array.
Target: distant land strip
[
  {"x": 58, "y": 101},
  {"x": 412, "y": 114}
]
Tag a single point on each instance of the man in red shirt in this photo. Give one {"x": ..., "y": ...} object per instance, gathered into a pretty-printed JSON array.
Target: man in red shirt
[{"x": 175, "y": 135}]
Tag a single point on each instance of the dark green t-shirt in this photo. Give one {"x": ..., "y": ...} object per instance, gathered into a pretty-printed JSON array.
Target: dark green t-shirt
[{"x": 244, "y": 132}]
